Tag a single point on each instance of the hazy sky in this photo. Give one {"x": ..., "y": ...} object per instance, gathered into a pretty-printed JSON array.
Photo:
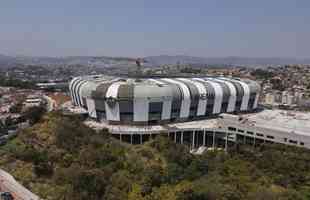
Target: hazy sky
[{"x": 206, "y": 28}]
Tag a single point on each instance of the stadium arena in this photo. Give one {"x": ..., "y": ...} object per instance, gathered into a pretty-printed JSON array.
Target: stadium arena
[
  {"x": 161, "y": 101},
  {"x": 203, "y": 113}
]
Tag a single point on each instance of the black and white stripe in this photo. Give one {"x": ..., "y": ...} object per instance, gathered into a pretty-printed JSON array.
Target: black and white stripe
[{"x": 187, "y": 98}]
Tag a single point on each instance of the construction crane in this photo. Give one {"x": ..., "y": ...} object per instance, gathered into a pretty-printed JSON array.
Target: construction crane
[{"x": 139, "y": 67}]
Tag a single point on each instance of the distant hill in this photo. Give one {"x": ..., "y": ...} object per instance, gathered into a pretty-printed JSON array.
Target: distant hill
[
  {"x": 105, "y": 61},
  {"x": 166, "y": 59},
  {"x": 5, "y": 60},
  {"x": 102, "y": 61}
]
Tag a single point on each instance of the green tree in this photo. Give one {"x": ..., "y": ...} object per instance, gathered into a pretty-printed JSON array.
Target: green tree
[
  {"x": 16, "y": 108},
  {"x": 34, "y": 114},
  {"x": 42, "y": 164},
  {"x": 2, "y": 127}
]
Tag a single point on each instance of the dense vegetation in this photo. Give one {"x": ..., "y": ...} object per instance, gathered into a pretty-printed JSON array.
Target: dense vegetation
[
  {"x": 190, "y": 70},
  {"x": 9, "y": 82},
  {"x": 60, "y": 158},
  {"x": 262, "y": 74}
]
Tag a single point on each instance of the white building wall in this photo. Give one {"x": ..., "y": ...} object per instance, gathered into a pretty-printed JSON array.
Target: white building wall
[
  {"x": 141, "y": 110},
  {"x": 279, "y": 136},
  {"x": 166, "y": 112}
]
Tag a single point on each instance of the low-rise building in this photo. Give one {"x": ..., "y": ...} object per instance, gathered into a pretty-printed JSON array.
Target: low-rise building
[
  {"x": 33, "y": 100},
  {"x": 278, "y": 126}
]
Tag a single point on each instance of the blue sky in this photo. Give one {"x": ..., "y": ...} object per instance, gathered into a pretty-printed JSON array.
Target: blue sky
[{"x": 208, "y": 28}]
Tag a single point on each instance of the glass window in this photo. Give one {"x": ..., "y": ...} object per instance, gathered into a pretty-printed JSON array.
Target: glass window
[
  {"x": 232, "y": 128},
  {"x": 155, "y": 107},
  {"x": 126, "y": 106},
  {"x": 293, "y": 141}
]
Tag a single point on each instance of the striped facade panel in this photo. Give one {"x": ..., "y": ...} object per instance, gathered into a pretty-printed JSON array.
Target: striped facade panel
[
  {"x": 210, "y": 98},
  {"x": 254, "y": 94},
  {"x": 72, "y": 82},
  {"x": 218, "y": 95},
  {"x": 73, "y": 90},
  {"x": 246, "y": 96},
  {"x": 246, "y": 93},
  {"x": 70, "y": 89},
  {"x": 202, "y": 98},
  {"x": 112, "y": 106},
  {"x": 186, "y": 98},
  {"x": 77, "y": 90},
  {"x": 232, "y": 96},
  {"x": 87, "y": 89},
  {"x": 239, "y": 91},
  {"x": 194, "y": 98},
  {"x": 225, "y": 92},
  {"x": 79, "y": 93},
  {"x": 91, "y": 108},
  {"x": 99, "y": 96}
]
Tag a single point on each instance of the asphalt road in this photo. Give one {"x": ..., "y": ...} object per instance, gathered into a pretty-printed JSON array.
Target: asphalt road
[{"x": 19, "y": 192}]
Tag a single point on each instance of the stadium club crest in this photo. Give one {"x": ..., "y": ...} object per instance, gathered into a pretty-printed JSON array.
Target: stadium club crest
[{"x": 111, "y": 101}]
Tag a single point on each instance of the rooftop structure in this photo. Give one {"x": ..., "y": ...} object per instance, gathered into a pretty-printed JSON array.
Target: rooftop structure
[
  {"x": 288, "y": 121},
  {"x": 33, "y": 100},
  {"x": 280, "y": 126}
]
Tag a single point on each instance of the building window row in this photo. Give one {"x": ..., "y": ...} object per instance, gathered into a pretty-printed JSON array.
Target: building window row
[
  {"x": 250, "y": 133},
  {"x": 293, "y": 141},
  {"x": 270, "y": 137},
  {"x": 232, "y": 128}
]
